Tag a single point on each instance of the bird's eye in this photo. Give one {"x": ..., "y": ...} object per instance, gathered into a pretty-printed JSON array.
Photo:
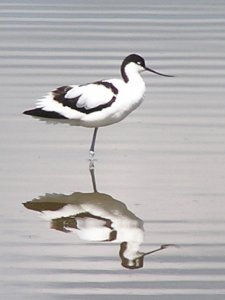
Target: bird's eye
[{"x": 139, "y": 62}]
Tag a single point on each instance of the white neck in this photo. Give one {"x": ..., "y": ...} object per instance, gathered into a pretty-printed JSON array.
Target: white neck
[{"x": 132, "y": 72}]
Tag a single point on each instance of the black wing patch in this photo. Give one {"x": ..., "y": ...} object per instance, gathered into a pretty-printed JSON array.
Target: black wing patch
[
  {"x": 60, "y": 93},
  {"x": 108, "y": 85},
  {"x": 39, "y": 112}
]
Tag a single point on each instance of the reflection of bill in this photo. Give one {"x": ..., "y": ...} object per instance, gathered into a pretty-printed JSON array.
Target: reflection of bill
[{"x": 95, "y": 217}]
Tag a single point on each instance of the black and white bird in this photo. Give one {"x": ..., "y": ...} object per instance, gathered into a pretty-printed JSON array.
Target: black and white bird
[{"x": 100, "y": 103}]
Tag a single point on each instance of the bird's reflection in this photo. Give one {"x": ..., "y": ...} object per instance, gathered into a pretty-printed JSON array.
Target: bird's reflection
[{"x": 96, "y": 217}]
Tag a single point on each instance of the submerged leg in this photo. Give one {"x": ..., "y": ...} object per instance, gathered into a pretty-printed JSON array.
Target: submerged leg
[
  {"x": 92, "y": 148},
  {"x": 92, "y": 172}
]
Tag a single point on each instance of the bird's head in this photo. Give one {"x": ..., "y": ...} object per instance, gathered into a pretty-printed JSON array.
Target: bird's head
[{"x": 136, "y": 63}]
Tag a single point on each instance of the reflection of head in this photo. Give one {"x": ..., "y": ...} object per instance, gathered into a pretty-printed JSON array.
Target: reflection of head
[{"x": 133, "y": 261}]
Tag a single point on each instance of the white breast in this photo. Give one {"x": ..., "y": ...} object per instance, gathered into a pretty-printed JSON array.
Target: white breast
[{"x": 129, "y": 97}]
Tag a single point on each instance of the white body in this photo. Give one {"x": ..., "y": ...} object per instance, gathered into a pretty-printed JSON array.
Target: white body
[{"x": 129, "y": 97}]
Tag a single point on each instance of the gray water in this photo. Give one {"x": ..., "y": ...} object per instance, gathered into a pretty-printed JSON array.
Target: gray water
[{"x": 160, "y": 175}]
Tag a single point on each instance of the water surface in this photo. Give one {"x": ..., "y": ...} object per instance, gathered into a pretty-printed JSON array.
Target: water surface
[{"x": 159, "y": 173}]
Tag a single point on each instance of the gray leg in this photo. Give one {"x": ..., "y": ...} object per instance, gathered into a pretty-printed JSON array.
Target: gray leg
[
  {"x": 92, "y": 172},
  {"x": 92, "y": 148}
]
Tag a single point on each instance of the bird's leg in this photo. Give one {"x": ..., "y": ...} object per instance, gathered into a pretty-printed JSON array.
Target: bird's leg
[
  {"x": 92, "y": 148},
  {"x": 92, "y": 172}
]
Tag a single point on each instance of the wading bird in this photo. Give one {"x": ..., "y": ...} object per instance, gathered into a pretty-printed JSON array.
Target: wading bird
[{"x": 100, "y": 103}]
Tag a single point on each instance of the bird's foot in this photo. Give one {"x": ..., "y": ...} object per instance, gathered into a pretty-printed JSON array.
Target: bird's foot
[
  {"x": 91, "y": 160},
  {"x": 91, "y": 155},
  {"x": 91, "y": 165}
]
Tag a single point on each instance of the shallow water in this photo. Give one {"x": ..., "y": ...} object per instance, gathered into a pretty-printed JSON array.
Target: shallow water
[{"x": 159, "y": 174}]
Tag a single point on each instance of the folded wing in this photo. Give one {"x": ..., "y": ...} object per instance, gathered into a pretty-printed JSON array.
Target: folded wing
[
  {"x": 73, "y": 101},
  {"x": 86, "y": 98}
]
